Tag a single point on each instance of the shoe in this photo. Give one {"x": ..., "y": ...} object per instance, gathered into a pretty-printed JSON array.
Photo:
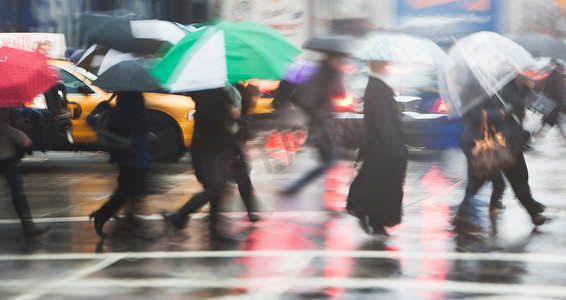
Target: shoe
[
  {"x": 539, "y": 219},
  {"x": 253, "y": 217},
  {"x": 287, "y": 192},
  {"x": 98, "y": 223},
  {"x": 496, "y": 207},
  {"x": 175, "y": 220},
  {"x": 33, "y": 230}
]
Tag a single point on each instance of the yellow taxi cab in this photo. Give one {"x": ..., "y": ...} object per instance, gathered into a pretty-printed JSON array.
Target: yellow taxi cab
[{"x": 170, "y": 116}]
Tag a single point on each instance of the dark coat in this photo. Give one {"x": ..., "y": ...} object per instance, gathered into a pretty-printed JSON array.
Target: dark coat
[
  {"x": 377, "y": 190},
  {"x": 315, "y": 98},
  {"x": 213, "y": 122},
  {"x": 129, "y": 116},
  {"x": 511, "y": 130},
  {"x": 554, "y": 89}
]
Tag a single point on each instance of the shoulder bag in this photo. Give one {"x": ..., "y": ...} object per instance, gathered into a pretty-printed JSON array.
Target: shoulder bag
[
  {"x": 110, "y": 139},
  {"x": 491, "y": 152}
]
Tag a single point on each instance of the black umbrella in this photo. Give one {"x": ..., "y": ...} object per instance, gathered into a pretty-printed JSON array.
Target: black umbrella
[
  {"x": 125, "y": 34},
  {"x": 116, "y": 32},
  {"x": 541, "y": 45},
  {"x": 342, "y": 44},
  {"x": 129, "y": 75}
]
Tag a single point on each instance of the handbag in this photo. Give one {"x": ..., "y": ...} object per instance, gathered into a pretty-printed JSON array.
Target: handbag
[
  {"x": 491, "y": 152},
  {"x": 109, "y": 139},
  {"x": 542, "y": 104}
]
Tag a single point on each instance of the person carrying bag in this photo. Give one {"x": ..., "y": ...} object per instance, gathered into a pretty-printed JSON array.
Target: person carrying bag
[{"x": 111, "y": 139}]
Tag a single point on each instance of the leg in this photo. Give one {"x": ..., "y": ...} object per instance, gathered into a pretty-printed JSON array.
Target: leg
[
  {"x": 518, "y": 176},
  {"x": 498, "y": 188},
  {"x": 245, "y": 188},
  {"x": 13, "y": 175},
  {"x": 467, "y": 214},
  {"x": 327, "y": 156},
  {"x": 129, "y": 181}
]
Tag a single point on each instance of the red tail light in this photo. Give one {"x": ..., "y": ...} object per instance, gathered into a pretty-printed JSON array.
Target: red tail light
[
  {"x": 438, "y": 107},
  {"x": 343, "y": 104}
]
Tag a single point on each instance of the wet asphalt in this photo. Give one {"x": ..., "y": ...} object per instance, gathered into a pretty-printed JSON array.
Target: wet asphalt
[{"x": 305, "y": 247}]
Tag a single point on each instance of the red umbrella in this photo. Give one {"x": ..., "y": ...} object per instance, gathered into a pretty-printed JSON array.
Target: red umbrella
[{"x": 24, "y": 76}]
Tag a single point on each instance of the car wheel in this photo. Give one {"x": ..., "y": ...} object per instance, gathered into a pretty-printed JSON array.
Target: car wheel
[{"x": 163, "y": 138}]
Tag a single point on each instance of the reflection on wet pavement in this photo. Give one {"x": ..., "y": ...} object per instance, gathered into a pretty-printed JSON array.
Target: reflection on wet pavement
[{"x": 305, "y": 247}]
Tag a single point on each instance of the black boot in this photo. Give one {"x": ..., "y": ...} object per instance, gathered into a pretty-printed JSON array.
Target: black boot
[
  {"x": 176, "y": 220},
  {"x": 99, "y": 221},
  {"x": 32, "y": 230}
]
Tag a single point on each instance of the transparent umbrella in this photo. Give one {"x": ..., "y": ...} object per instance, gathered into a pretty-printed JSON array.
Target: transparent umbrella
[
  {"x": 477, "y": 67},
  {"x": 402, "y": 48}
]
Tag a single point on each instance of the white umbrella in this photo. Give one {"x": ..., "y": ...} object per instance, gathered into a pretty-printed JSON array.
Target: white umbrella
[
  {"x": 98, "y": 59},
  {"x": 477, "y": 67},
  {"x": 402, "y": 48}
]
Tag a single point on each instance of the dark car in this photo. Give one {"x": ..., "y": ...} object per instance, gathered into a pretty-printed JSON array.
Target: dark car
[
  {"x": 47, "y": 119},
  {"x": 425, "y": 119}
]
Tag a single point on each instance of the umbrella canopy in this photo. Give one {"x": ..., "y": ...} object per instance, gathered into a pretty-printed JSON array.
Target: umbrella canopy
[
  {"x": 98, "y": 59},
  {"x": 127, "y": 35},
  {"x": 225, "y": 53},
  {"x": 402, "y": 48},
  {"x": 541, "y": 45},
  {"x": 477, "y": 67},
  {"x": 342, "y": 44},
  {"x": 129, "y": 75},
  {"x": 24, "y": 76},
  {"x": 300, "y": 71}
]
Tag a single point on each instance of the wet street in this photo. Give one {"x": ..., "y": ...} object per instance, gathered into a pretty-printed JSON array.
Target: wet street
[{"x": 305, "y": 247}]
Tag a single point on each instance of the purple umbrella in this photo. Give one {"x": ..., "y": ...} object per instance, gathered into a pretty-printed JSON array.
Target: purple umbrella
[{"x": 300, "y": 71}]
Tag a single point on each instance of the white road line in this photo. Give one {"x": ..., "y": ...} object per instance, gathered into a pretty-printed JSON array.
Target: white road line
[
  {"x": 281, "y": 214},
  {"x": 522, "y": 257},
  {"x": 45, "y": 287},
  {"x": 267, "y": 284}
]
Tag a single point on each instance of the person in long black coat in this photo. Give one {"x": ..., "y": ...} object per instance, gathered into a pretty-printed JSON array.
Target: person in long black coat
[
  {"x": 128, "y": 117},
  {"x": 507, "y": 117},
  {"x": 376, "y": 194}
]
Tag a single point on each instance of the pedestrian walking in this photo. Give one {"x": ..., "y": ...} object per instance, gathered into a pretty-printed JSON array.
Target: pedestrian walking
[
  {"x": 9, "y": 138},
  {"x": 507, "y": 118},
  {"x": 554, "y": 89},
  {"x": 376, "y": 194},
  {"x": 315, "y": 98},
  {"x": 217, "y": 157},
  {"x": 128, "y": 117}
]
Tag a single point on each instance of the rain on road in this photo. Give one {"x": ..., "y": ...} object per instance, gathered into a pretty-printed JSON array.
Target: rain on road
[{"x": 305, "y": 247}]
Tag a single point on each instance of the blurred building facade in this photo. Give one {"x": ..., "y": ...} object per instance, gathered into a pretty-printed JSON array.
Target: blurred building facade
[{"x": 440, "y": 20}]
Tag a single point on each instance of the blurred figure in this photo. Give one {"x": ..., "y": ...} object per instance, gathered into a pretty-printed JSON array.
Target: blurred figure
[
  {"x": 9, "y": 139},
  {"x": 376, "y": 194},
  {"x": 498, "y": 185},
  {"x": 502, "y": 116},
  {"x": 315, "y": 98},
  {"x": 217, "y": 157},
  {"x": 554, "y": 89},
  {"x": 129, "y": 116}
]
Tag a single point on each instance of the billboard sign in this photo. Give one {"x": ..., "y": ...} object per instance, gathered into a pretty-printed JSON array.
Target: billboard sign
[
  {"x": 288, "y": 17},
  {"x": 51, "y": 44},
  {"x": 445, "y": 20}
]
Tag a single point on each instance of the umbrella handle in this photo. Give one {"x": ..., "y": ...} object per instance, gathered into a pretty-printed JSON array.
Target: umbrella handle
[{"x": 513, "y": 114}]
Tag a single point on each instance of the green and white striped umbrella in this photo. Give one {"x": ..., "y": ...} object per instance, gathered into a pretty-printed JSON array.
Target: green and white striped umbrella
[{"x": 225, "y": 53}]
